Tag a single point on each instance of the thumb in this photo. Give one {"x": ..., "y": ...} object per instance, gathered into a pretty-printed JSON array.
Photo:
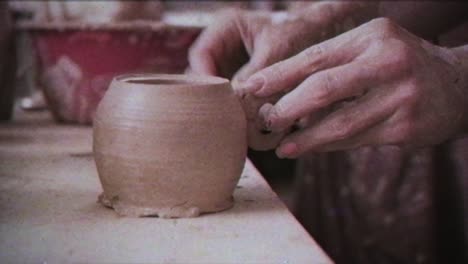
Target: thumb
[
  {"x": 264, "y": 54},
  {"x": 260, "y": 59},
  {"x": 246, "y": 71}
]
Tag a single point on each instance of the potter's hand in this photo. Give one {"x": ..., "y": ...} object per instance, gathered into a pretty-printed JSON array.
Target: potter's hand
[
  {"x": 243, "y": 42},
  {"x": 381, "y": 84},
  {"x": 246, "y": 41}
]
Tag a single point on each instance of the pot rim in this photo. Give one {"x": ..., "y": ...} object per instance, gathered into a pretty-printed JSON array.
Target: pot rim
[{"x": 170, "y": 80}]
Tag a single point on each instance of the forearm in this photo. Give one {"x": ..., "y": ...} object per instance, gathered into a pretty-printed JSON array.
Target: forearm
[
  {"x": 334, "y": 17},
  {"x": 427, "y": 19},
  {"x": 462, "y": 63},
  {"x": 337, "y": 11}
]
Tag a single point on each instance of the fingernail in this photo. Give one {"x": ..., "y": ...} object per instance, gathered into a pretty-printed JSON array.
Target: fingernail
[
  {"x": 266, "y": 128},
  {"x": 265, "y": 131},
  {"x": 289, "y": 149},
  {"x": 253, "y": 84},
  {"x": 273, "y": 122},
  {"x": 263, "y": 113}
]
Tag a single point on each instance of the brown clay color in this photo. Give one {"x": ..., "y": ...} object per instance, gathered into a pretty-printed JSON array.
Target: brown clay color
[
  {"x": 257, "y": 137},
  {"x": 169, "y": 145}
]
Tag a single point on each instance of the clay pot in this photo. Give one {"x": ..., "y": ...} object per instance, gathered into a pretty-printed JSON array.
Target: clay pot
[{"x": 169, "y": 145}]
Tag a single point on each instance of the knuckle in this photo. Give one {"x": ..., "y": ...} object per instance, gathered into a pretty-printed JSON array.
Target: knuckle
[
  {"x": 383, "y": 25},
  {"x": 398, "y": 58},
  {"x": 312, "y": 56},
  {"x": 342, "y": 127},
  {"x": 313, "y": 51},
  {"x": 322, "y": 94},
  {"x": 272, "y": 74},
  {"x": 403, "y": 54}
]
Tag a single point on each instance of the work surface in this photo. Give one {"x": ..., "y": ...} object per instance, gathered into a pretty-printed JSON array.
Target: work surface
[{"x": 48, "y": 211}]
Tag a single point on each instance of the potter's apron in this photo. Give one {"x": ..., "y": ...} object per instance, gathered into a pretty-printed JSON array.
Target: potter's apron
[{"x": 382, "y": 205}]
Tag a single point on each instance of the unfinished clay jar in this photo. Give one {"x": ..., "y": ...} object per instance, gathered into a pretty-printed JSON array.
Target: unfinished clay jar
[{"x": 169, "y": 145}]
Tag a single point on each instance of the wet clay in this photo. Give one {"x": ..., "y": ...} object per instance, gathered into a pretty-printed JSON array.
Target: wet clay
[
  {"x": 258, "y": 137},
  {"x": 169, "y": 145}
]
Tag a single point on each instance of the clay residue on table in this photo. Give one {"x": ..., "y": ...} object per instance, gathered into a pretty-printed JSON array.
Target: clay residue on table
[{"x": 182, "y": 210}]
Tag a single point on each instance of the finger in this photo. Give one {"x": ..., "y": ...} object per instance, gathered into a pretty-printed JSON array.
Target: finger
[
  {"x": 257, "y": 137},
  {"x": 288, "y": 73},
  {"x": 321, "y": 90},
  {"x": 273, "y": 43},
  {"x": 390, "y": 131},
  {"x": 262, "y": 113},
  {"x": 202, "y": 62},
  {"x": 247, "y": 70},
  {"x": 219, "y": 46},
  {"x": 263, "y": 54},
  {"x": 340, "y": 125},
  {"x": 368, "y": 137},
  {"x": 259, "y": 60}
]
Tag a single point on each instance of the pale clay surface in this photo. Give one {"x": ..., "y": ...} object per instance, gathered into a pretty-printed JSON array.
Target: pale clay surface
[
  {"x": 169, "y": 145},
  {"x": 50, "y": 215}
]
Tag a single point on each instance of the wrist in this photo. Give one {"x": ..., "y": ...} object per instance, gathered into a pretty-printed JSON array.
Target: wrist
[{"x": 337, "y": 17}]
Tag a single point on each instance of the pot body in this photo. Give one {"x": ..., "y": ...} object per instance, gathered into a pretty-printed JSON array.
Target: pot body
[{"x": 169, "y": 145}]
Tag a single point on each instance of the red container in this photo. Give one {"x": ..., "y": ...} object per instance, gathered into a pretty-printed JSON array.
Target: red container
[{"x": 77, "y": 62}]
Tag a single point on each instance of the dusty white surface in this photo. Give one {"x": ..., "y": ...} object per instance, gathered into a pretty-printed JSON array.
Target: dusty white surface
[{"x": 49, "y": 214}]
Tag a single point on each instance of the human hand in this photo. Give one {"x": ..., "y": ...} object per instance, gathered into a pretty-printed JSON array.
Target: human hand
[
  {"x": 382, "y": 84},
  {"x": 241, "y": 43}
]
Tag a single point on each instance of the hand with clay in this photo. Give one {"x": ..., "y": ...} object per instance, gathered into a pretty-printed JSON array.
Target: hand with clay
[
  {"x": 379, "y": 85},
  {"x": 241, "y": 43}
]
